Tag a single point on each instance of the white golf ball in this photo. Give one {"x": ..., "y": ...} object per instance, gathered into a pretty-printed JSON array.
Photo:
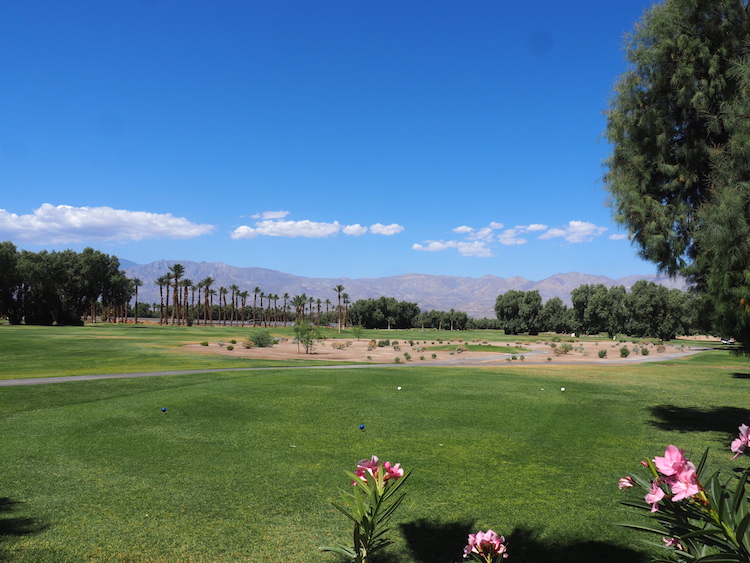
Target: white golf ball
[
  {"x": 562, "y": 388},
  {"x": 399, "y": 388}
]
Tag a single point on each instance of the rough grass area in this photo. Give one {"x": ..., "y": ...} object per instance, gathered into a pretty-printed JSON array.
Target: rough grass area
[{"x": 243, "y": 467}]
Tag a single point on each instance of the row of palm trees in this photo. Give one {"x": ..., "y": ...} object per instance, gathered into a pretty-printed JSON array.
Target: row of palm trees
[{"x": 184, "y": 308}]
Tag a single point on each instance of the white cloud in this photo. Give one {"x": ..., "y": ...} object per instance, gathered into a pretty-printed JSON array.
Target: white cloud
[
  {"x": 618, "y": 237},
  {"x": 391, "y": 229},
  {"x": 64, "y": 224},
  {"x": 536, "y": 227},
  {"x": 496, "y": 226},
  {"x": 575, "y": 231},
  {"x": 308, "y": 229},
  {"x": 509, "y": 237},
  {"x": 463, "y": 229},
  {"x": 288, "y": 229},
  {"x": 270, "y": 215},
  {"x": 476, "y": 248},
  {"x": 354, "y": 230}
]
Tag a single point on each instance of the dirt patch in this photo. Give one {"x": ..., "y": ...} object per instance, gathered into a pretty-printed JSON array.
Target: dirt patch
[{"x": 360, "y": 351}]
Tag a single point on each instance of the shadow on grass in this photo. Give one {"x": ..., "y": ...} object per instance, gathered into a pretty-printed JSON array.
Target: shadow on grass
[
  {"x": 431, "y": 542},
  {"x": 739, "y": 375},
  {"x": 15, "y": 526},
  {"x": 694, "y": 419}
]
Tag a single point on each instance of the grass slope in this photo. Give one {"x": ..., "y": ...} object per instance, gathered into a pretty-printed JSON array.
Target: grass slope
[{"x": 243, "y": 467}]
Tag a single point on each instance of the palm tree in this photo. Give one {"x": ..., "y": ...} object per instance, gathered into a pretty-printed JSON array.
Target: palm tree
[
  {"x": 235, "y": 290},
  {"x": 256, "y": 291},
  {"x": 262, "y": 295},
  {"x": 345, "y": 299},
  {"x": 162, "y": 282},
  {"x": 299, "y": 302},
  {"x": 285, "y": 297},
  {"x": 177, "y": 270},
  {"x": 199, "y": 288},
  {"x": 211, "y": 294},
  {"x": 185, "y": 285},
  {"x": 318, "y": 302},
  {"x": 328, "y": 319},
  {"x": 137, "y": 282},
  {"x": 338, "y": 289},
  {"x": 243, "y": 296},
  {"x": 207, "y": 283},
  {"x": 222, "y": 309}
]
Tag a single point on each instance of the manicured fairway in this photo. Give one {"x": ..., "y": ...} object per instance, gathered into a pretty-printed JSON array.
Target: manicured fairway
[{"x": 243, "y": 466}]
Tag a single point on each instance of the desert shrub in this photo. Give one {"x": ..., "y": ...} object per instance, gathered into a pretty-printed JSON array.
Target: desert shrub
[
  {"x": 421, "y": 357},
  {"x": 661, "y": 348},
  {"x": 644, "y": 351},
  {"x": 233, "y": 341},
  {"x": 421, "y": 349},
  {"x": 549, "y": 359},
  {"x": 248, "y": 344},
  {"x": 513, "y": 357},
  {"x": 348, "y": 343},
  {"x": 452, "y": 353},
  {"x": 552, "y": 345},
  {"x": 565, "y": 348},
  {"x": 221, "y": 343},
  {"x": 411, "y": 342},
  {"x": 338, "y": 346},
  {"x": 460, "y": 349},
  {"x": 230, "y": 347},
  {"x": 373, "y": 343},
  {"x": 624, "y": 352},
  {"x": 602, "y": 353},
  {"x": 397, "y": 348},
  {"x": 523, "y": 358},
  {"x": 485, "y": 342},
  {"x": 397, "y": 360},
  {"x": 383, "y": 343},
  {"x": 261, "y": 338},
  {"x": 369, "y": 357},
  {"x": 204, "y": 343},
  {"x": 556, "y": 339},
  {"x": 407, "y": 356},
  {"x": 434, "y": 355}
]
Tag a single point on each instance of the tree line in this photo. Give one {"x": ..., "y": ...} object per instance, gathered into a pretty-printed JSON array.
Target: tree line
[
  {"x": 44, "y": 288},
  {"x": 648, "y": 309}
]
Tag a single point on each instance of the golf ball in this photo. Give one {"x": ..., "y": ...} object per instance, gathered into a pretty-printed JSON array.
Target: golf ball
[
  {"x": 562, "y": 388},
  {"x": 399, "y": 388}
]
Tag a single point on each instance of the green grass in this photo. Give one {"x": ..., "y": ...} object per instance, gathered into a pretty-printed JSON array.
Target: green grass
[{"x": 244, "y": 465}]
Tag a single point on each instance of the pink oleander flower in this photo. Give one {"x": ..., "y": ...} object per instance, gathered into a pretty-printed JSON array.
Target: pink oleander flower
[
  {"x": 625, "y": 483},
  {"x": 742, "y": 441},
  {"x": 685, "y": 483},
  {"x": 393, "y": 471},
  {"x": 366, "y": 466},
  {"x": 672, "y": 462},
  {"x": 487, "y": 544},
  {"x": 673, "y": 542},
  {"x": 654, "y": 495}
]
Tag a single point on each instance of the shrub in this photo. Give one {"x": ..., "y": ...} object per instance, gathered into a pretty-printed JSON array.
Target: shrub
[
  {"x": 261, "y": 338},
  {"x": 338, "y": 346},
  {"x": 644, "y": 351},
  {"x": 383, "y": 343},
  {"x": 230, "y": 347},
  {"x": 369, "y": 357},
  {"x": 434, "y": 355},
  {"x": 565, "y": 348},
  {"x": 233, "y": 341},
  {"x": 421, "y": 357},
  {"x": 513, "y": 357},
  {"x": 602, "y": 353},
  {"x": 624, "y": 352},
  {"x": 397, "y": 348},
  {"x": 221, "y": 343},
  {"x": 549, "y": 359},
  {"x": 204, "y": 343},
  {"x": 553, "y": 345},
  {"x": 372, "y": 344},
  {"x": 397, "y": 360},
  {"x": 411, "y": 342},
  {"x": 661, "y": 348},
  {"x": 248, "y": 344},
  {"x": 523, "y": 358},
  {"x": 407, "y": 356}
]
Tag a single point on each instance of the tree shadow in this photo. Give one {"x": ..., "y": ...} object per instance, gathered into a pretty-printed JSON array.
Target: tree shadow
[
  {"x": 431, "y": 542},
  {"x": 738, "y": 375},
  {"x": 16, "y": 526},
  {"x": 695, "y": 419}
]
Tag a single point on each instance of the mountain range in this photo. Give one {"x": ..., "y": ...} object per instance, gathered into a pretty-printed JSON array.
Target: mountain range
[{"x": 475, "y": 296}]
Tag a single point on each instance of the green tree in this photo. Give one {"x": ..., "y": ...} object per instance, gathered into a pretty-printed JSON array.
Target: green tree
[
  {"x": 519, "y": 311},
  {"x": 339, "y": 289},
  {"x": 137, "y": 282},
  {"x": 679, "y": 173},
  {"x": 554, "y": 316}
]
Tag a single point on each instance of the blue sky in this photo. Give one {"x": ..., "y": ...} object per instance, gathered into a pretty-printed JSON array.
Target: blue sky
[{"x": 320, "y": 138}]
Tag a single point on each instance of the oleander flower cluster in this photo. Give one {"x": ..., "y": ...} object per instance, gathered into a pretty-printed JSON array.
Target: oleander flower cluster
[
  {"x": 700, "y": 515},
  {"x": 371, "y": 467},
  {"x": 486, "y": 547}
]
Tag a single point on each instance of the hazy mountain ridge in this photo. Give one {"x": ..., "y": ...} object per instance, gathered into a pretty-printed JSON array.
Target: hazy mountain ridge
[{"x": 476, "y": 296}]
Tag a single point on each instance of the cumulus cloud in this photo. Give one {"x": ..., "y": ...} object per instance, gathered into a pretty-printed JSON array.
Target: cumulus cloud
[
  {"x": 64, "y": 224},
  {"x": 575, "y": 231},
  {"x": 355, "y": 230},
  {"x": 618, "y": 237},
  {"x": 270, "y": 215},
  {"x": 476, "y": 248},
  {"x": 272, "y": 225},
  {"x": 463, "y": 229},
  {"x": 391, "y": 229}
]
